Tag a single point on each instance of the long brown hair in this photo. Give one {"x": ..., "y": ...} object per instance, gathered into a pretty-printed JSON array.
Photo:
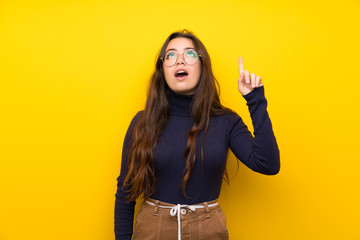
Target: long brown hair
[{"x": 141, "y": 177}]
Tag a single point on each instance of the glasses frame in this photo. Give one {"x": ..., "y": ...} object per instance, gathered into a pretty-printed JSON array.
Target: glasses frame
[{"x": 177, "y": 55}]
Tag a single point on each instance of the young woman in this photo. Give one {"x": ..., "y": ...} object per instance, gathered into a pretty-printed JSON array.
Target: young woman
[{"x": 175, "y": 150}]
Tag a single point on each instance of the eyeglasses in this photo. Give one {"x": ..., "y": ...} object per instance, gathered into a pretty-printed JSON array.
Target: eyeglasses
[{"x": 190, "y": 56}]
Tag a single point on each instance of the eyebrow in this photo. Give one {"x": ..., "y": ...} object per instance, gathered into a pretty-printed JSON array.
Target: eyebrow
[{"x": 176, "y": 49}]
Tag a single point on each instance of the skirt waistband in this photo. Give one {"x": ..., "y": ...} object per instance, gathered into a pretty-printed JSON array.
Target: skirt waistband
[
  {"x": 181, "y": 209},
  {"x": 157, "y": 202}
]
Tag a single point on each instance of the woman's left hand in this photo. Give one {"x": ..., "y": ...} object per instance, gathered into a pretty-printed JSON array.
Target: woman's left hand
[{"x": 247, "y": 82}]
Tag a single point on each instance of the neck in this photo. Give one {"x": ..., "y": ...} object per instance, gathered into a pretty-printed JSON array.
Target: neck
[{"x": 180, "y": 104}]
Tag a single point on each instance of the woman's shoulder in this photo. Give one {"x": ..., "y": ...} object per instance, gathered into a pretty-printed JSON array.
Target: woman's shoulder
[
  {"x": 229, "y": 116},
  {"x": 138, "y": 115},
  {"x": 135, "y": 118}
]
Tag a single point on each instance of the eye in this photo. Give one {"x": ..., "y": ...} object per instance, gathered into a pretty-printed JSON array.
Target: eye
[
  {"x": 191, "y": 53},
  {"x": 170, "y": 55}
]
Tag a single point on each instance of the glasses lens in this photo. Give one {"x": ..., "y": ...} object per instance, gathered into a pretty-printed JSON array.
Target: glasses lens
[
  {"x": 170, "y": 58},
  {"x": 191, "y": 57}
]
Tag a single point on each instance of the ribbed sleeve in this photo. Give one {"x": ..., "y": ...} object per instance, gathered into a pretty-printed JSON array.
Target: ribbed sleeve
[
  {"x": 124, "y": 212},
  {"x": 259, "y": 153}
]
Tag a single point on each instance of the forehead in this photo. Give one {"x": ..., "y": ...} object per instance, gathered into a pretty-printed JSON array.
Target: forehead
[{"x": 180, "y": 44}]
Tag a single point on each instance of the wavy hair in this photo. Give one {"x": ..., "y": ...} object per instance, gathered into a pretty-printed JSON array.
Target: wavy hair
[{"x": 140, "y": 178}]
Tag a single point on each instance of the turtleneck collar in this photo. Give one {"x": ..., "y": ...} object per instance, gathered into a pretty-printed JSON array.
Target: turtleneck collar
[{"x": 180, "y": 104}]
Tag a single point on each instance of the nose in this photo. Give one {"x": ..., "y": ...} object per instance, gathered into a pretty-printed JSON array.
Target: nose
[{"x": 180, "y": 60}]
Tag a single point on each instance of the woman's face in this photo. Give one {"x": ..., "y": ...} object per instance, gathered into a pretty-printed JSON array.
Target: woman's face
[{"x": 182, "y": 83}]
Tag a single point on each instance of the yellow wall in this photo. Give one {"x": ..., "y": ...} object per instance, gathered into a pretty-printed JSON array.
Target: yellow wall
[{"x": 73, "y": 74}]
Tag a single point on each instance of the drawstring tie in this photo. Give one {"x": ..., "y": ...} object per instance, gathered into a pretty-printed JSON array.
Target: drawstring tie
[{"x": 175, "y": 210}]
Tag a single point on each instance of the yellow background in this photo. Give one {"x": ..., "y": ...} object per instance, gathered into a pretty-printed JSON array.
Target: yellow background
[{"x": 73, "y": 74}]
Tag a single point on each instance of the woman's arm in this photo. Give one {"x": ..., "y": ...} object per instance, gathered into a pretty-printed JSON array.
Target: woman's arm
[
  {"x": 261, "y": 153},
  {"x": 124, "y": 212}
]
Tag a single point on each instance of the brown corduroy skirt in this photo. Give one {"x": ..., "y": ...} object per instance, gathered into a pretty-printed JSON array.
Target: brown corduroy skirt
[{"x": 153, "y": 222}]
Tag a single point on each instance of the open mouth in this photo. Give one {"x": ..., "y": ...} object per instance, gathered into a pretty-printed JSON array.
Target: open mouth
[{"x": 181, "y": 73}]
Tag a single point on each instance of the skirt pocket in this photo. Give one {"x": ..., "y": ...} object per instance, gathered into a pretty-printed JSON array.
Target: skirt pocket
[
  {"x": 143, "y": 227},
  {"x": 214, "y": 226}
]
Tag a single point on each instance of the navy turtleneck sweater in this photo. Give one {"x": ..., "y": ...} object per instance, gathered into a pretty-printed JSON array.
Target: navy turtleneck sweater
[{"x": 259, "y": 153}]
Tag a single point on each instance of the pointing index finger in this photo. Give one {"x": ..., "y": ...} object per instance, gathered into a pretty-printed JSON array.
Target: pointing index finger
[{"x": 241, "y": 66}]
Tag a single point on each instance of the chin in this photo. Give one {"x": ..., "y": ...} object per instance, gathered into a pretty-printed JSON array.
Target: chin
[{"x": 183, "y": 88}]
